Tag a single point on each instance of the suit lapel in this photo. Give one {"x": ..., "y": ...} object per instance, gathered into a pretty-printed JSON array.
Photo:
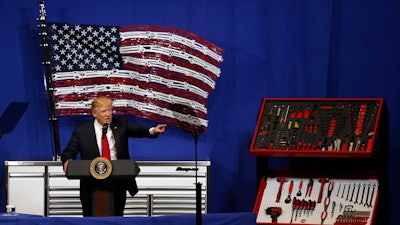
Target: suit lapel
[
  {"x": 116, "y": 133},
  {"x": 92, "y": 138}
]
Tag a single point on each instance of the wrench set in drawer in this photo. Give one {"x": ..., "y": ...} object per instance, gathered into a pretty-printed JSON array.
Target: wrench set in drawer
[{"x": 317, "y": 200}]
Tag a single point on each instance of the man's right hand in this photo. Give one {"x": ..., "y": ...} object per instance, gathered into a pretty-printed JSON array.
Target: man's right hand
[{"x": 66, "y": 166}]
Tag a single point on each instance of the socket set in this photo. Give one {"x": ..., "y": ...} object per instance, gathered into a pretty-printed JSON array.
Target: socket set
[{"x": 317, "y": 127}]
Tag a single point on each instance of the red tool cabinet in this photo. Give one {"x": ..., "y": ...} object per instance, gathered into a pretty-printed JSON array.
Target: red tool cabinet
[{"x": 331, "y": 128}]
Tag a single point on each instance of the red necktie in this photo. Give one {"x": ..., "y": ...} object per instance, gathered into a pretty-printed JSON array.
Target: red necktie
[{"x": 106, "y": 147}]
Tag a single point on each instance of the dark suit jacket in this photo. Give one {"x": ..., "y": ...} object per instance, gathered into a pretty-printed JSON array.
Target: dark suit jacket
[{"x": 83, "y": 142}]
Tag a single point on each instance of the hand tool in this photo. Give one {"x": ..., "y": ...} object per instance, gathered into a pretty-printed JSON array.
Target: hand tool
[
  {"x": 311, "y": 207},
  {"x": 370, "y": 141},
  {"x": 303, "y": 142},
  {"x": 351, "y": 220},
  {"x": 274, "y": 212},
  {"x": 279, "y": 120},
  {"x": 352, "y": 193},
  {"x": 294, "y": 206},
  {"x": 330, "y": 188},
  {"x": 362, "y": 148},
  {"x": 282, "y": 143},
  {"x": 281, "y": 180},
  {"x": 351, "y": 146},
  {"x": 348, "y": 208},
  {"x": 306, "y": 113},
  {"x": 299, "y": 114},
  {"x": 319, "y": 144},
  {"x": 344, "y": 187},
  {"x": 308, "y": 207},
  {"x": 292, "y": 114},
  {"x": 277, "y": 115},
  {"x": 314, "y": 112},
  {"x": 326, "y": 106},
  {"x": 300, "y": 187},
  {"x": 323, "y": 216},
  {"x": 313, "y": 204},
  {"x": 357, "y": 213},
  {"x": 267, "y": 122},
  {"x": 284, "y": 118},
  {"x": 345, "y": 145},
  {"x": 348, "y": 191},
  {"x": 333, "y": 208},
  {"x": 362, "y": 195},
  {"x": 358, "y": 192},
  {"x": 301, "y": 206},
  {"x": 337, "y": 193},
  {"x": 288, "y": 199},
  {"x": 321, "y": 190},
  {"x": 366, "y": 197},
  {"x": 271, "y": 145},
  {"x": 311, "y": 135},
  {"x": 360, "y": 119},
  {"x": 297, "y": 206},
  {"x": 337, "y": 143},
  {"x": 324, "y": 145},
  {"x": 289, "y": 126},
  {"x": 309, "y": 187},
  {"x": 358, "y": 144},
  {"x": 327, "y": 201},
  {"x": 372, "y": 196},
  {"x": 331, "y": 128}
]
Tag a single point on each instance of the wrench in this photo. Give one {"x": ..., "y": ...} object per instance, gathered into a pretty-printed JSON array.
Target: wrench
[
  {"x": 321, "y": 190},
  {"x": 281, "y": 180}
]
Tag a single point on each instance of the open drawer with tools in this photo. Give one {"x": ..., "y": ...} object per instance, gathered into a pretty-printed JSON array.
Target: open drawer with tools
[
  {"x": 317, "y": 127},
  {"x": 285, "y": 198}
]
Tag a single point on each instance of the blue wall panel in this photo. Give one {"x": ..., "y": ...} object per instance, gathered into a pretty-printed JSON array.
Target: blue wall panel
[{"x": 272, "y": 49}]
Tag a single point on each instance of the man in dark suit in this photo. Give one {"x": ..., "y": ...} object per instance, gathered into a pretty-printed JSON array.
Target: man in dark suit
[{"x": 86, "y": 140}]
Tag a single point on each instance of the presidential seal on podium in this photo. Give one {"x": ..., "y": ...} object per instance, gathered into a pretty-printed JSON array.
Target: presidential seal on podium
[{"x": 100, "y": 168}]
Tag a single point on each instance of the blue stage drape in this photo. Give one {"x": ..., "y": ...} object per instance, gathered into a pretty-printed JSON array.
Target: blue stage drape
[{"x": 273, "y": 48}]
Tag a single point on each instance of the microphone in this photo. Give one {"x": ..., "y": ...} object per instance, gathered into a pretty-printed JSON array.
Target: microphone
[{"x": 105, "y": 127}]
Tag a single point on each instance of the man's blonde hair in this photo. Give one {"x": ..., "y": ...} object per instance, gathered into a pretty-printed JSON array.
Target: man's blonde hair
[{"x": 101, "y": 101}]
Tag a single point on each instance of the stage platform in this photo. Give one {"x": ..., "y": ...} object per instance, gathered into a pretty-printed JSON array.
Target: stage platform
[{"x": 207, "y": 219}]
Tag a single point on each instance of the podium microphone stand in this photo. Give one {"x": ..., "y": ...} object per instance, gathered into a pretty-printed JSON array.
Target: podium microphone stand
[{"x": 198, "y": 184}]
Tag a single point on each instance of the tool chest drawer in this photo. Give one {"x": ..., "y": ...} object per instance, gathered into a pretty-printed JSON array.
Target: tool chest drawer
[
  {"x": 317, "y": 127},
  {"x": 285, "y": 198}
]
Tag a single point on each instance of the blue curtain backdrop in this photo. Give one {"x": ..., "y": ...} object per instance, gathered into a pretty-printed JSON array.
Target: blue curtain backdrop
[{"x": 273, "y": 48}]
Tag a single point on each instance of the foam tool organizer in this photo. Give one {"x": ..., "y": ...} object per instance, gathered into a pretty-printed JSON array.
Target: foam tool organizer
[
  {"x": 317, "y": 127},
  {"x": 284, "y": 199}
]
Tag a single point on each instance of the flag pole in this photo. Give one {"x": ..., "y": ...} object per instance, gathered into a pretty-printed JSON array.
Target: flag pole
[
  {"x": 199, "y": 220},
  {"x": 48, "y": 82}
]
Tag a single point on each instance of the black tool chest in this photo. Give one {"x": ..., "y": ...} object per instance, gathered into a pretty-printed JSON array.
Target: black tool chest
[{"x": 317, "y": 128}]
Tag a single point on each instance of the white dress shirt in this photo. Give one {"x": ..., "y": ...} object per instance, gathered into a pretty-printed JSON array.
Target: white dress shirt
[{"x": 110, "y": 137}]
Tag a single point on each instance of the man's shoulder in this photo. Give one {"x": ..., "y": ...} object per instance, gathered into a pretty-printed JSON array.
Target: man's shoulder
[
  {"x": 85, "y": 125},
  {"x": 120, "y": 119}
]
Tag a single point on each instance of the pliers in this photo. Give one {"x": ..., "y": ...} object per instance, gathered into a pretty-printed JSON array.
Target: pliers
[
  {"x": 324, "y": 214},
  {"x": 309, "y": 187},
  {"x": 330, "y": 188}
]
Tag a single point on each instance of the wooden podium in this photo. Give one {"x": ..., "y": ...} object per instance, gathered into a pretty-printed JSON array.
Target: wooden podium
[{"x": 101, "y": 169}]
